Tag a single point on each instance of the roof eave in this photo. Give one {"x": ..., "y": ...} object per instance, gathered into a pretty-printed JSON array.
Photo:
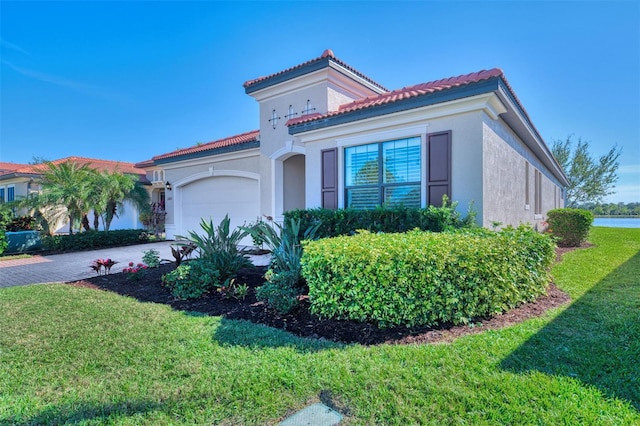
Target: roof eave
[
  {"x": 206, "y": 153},
  {"x": 433, "y": 98},
  {"x": 288, "y": 75},
  {"x": 539, "y": 146},
  {"x": 13, "y": 175}
]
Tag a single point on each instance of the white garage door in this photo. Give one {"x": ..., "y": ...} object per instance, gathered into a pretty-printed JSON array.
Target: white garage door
[{"x": 214, "y": 197}]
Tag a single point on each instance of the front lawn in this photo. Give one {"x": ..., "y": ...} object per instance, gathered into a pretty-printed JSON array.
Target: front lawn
[{"x": 83, "y": 356}]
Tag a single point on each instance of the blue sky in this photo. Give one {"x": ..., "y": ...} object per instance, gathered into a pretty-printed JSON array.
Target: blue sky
[{"x": 129, "y": 80}]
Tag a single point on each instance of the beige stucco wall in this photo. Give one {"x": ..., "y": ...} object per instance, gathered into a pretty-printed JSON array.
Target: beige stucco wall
[
  {"x": 181, "y": 172},
  {"x": 20, "y": 185},
  {"x": 466, "y": 136},
  {"x": 504, "y": 179}
]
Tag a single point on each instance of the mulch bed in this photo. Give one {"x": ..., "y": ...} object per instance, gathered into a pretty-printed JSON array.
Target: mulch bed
[{"x": 301, "y": 321}]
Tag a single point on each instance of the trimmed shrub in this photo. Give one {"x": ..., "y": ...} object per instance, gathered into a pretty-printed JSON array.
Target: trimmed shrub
[
  {"x": 5, "y": 218},
  {"x": 94, "y": 239},
  {"x": 192, "y": 279},
  {"x": 423, "y": 278},
  {"x": 333, "y": 223},
  {"x": 570, "y": 226}
]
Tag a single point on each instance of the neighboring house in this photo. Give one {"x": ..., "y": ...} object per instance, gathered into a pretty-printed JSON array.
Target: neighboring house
[
  {"x": 330, "y": 136},
  {"x": 20, "y": 180}
]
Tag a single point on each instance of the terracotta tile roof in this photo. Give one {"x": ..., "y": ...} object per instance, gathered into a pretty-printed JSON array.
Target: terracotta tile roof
[
  {"x": 406, "y": 93},
  {"x": 236, "y": 140},
  {"x": 102, "y": 165},
  {"x": 10, "y": 167},
  {"x": 326, "y": 55}
]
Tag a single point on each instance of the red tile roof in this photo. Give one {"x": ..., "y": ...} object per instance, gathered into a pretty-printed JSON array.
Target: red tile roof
[
  {"x": 405, "y": 93},
  {"x": 102, "y": 165},
  {"x": 10, "y": 167},
  {"x": 247, "y": 137},
  {"x": 328, "y": 53}
]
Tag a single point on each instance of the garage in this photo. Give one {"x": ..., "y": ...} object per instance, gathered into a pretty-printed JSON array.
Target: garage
[{"x": 216, "y": 196}]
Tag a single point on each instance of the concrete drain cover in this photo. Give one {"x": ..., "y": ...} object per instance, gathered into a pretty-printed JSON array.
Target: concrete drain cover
[{"x": 314, "y": 415}]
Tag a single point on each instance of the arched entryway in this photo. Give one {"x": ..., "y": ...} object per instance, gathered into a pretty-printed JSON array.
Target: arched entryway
[{"x": 293, "y": 173}]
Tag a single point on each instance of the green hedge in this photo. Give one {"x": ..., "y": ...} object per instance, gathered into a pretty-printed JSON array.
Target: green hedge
[
  {"x": 423, "y": 278},
  {"x": 94, "y": 239},
  {"x": 570, "y": 226},
  {"x": 396, "y": 219}
]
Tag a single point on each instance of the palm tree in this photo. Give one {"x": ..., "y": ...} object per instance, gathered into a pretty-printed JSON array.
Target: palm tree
[
  {"x": 116, "y": 188},
  {"x": 66, "y": 184}
]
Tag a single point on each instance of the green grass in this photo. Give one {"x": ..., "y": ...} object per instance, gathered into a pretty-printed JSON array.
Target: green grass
[
  {"x": 14, "y": 257},
  {"x": 79, "y": 356}
]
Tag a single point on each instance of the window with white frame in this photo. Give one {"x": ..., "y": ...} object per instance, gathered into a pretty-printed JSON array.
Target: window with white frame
[
  {"x": 11, "y": 193},
  {"x": 1, "y": 194},
  {"x": 158, "y": 175},
  {"x": 386, "y": 173}
]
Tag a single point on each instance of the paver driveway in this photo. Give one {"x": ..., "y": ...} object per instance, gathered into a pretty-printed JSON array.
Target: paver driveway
[{"x": 73, "y": 266}]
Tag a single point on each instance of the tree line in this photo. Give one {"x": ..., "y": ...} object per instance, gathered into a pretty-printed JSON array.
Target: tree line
[{"x": 612, "y": 209}]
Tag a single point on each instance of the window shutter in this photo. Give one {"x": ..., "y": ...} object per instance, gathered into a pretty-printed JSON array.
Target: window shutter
[
  {"x": 439, "y": 167},
  {"x": 330, "y": 178}
]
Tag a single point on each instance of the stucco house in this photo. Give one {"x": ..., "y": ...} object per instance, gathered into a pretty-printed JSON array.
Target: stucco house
[
  {"x": 329, "y": 136},
  {"x": 20, "y": 180}
]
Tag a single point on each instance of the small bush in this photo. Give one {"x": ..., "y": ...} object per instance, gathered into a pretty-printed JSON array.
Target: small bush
[
  {"x": 281, "y": 290},
  {"x": 424, "y": 278},
  {"x": 135, "y": 272},
  {"x": 570, "y": 226},
  {"x": 192, "y": 279},
  {"x": 94, "y": 239},
  {"x": 22, "y": 223},
  {"x": 333, "y": 223},
  {"x": 151, "y": 258}
]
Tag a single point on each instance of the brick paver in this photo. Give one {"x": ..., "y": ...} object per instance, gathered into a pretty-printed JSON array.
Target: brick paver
[{"x": 73, "y": 266}]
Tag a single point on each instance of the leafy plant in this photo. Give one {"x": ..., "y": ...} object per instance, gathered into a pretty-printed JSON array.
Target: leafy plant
[
  {"x": 284, "y": 277},
  {"x": 218, "y": 245},
  {"x": 151, "y": 258},
  {"x": 192, "y": 279},
  {"x": 231, "y": 288},
  {"x": 135, "y": 272},
  {"x": 22, "y": 223},
  {"x": 570, "y": 226},
  {"x": 182, "y": 251},
  {"x": 99, "y": 264},
  {"x": 5, "y": 217}
]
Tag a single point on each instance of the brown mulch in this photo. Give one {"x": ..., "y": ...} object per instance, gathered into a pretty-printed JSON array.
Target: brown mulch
[{"x": 302, "y": 322}]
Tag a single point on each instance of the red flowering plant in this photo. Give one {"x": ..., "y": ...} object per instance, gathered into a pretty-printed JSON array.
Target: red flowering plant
[
  {"x": 99, "y": 264},
  {"x": 135, "y": 272}
]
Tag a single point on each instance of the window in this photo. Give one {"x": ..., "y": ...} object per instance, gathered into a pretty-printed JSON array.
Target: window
[
  {"x": 386, "y": 173},
  {"x": 158, "y": 175},
  {"x": 526, "y": 185},
  {"x": 538, "y": 192},
  {"x": 11, "y": 193},
  {"x": 2, "y": 195}
]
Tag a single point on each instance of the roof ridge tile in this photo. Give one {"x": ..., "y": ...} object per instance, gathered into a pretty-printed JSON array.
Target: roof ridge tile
[{"x": 327, "y": 54}]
